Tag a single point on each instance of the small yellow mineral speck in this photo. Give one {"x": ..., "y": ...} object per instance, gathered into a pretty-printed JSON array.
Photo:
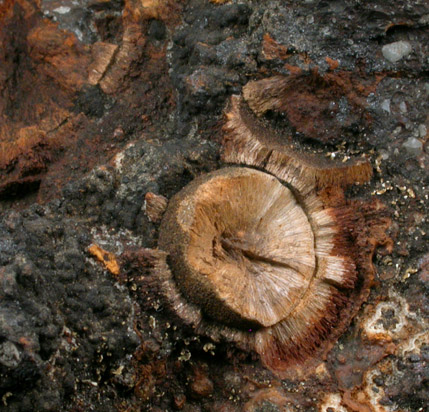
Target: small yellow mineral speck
[{"x": 411, "y": 193}]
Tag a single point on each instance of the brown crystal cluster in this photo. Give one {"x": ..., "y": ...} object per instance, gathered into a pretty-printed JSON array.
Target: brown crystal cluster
[
  {"x": 321, "y": 107},
  {"x": 276, "y": 259}
]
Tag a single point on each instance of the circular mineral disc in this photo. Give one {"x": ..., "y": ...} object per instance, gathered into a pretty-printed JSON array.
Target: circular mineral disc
[{"x": 241, "y": 246}]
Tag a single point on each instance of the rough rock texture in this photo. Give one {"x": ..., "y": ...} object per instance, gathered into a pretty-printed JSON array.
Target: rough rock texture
[{"x": 102, "y": 102}]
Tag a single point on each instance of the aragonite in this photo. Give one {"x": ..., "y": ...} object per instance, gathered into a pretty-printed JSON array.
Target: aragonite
[{"x": 270, "y": 255}]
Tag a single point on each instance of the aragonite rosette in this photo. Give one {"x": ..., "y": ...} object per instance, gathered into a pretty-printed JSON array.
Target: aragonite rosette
[{"x": 275, "y": 260}]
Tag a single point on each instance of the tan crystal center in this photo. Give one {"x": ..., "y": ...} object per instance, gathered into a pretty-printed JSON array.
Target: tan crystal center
[{"x": 251, "y": 247}]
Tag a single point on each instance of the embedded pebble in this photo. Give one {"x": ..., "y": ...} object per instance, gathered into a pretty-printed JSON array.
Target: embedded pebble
[
  {"x": 9, "y": 355},
  {"x": 384, "y": 154},
  {"x": 396, "y": 51},
  {"x": 413, "y": 146},
  {"x": 422, "y": 130}
]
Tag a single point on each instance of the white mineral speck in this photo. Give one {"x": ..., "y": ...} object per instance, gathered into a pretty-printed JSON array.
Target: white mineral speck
[
  {"x": 424, "y": 19},
  {"x": 79, "y": 34},
  {"x": 403, "y": 107},
  {"x": 62, "y": 10},
  {"x": 413, "y": 146},
  {"x": 396, "y": 51},
  {"x": 385, "y": 105}
]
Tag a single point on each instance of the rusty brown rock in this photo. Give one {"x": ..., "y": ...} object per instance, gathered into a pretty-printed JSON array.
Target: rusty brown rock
[
  {"x": 24, "y": 161},
  {"x": 272, "y": 50},
  {"x": 179, "y": 401},
  {"x": 59, "y": 55},
  {"x": 57, "y": 93},
  {"x": 201, "y": 386}
]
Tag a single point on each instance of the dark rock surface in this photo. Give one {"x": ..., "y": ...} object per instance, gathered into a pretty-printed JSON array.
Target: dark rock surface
[{"x": 78, "y": 154}]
